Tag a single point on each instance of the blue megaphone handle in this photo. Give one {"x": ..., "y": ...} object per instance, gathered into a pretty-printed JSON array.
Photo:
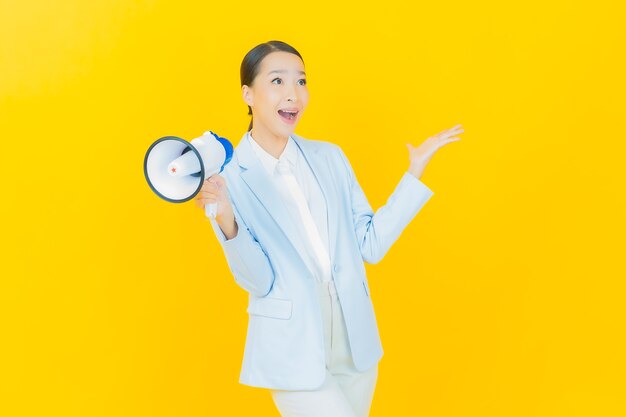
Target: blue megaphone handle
[
  {"x": 228, "y": 148},
  {"x": 211, "y": 209}
]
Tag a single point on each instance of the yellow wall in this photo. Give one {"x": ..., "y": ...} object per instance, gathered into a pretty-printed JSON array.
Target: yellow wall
[{"x": 505, "y": 295}]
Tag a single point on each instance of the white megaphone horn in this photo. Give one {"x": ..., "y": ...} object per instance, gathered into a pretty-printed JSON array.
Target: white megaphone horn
[{"x": 176, "y": 169}]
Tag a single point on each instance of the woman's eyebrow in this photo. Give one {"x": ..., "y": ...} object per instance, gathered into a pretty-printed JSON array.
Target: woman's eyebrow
[{"x": 283, "y": 71}]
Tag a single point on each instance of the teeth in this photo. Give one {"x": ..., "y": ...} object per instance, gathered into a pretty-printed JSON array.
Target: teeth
[{"x": 289, "y": 113}]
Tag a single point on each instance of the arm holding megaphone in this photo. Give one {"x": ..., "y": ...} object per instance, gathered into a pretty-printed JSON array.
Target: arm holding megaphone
[
  {"x": 246, "y": 258},
  {"x": 214, "y": 191},
  {"x": 178, "y": 170}
]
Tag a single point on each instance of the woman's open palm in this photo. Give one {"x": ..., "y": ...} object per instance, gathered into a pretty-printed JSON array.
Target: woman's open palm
[{"x": 419, "y": 156}]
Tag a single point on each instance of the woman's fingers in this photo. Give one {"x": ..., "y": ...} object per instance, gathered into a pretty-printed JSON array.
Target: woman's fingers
[
  {"x": 441, "y": 142},
  {"x": 205, "y": 196},
  {"x": 201, "y": 202},
  {"x": 455, "y": 127},
  {"x": 210, "y": 191},
  {"x": 209, "y": 186},
  {"x": 448, "y": 140},
  {"x": 420, "y": 155},
  {"x": 454, "y": 132},
  {"x": 207, "y": 193},
  {"x": 216, "y": 179},
  {"x": 447, "y": 136},
  {"x": 450, "y": 132},
  {"x": 435, "y": 142}
]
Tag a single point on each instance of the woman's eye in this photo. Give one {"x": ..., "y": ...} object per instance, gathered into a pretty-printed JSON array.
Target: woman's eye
[
  {"x": 303, "y": 82},
  {"x": 277, "y": 79}
]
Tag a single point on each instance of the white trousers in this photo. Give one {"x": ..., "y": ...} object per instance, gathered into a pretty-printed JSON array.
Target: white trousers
[{"x": 346, "y": 392}]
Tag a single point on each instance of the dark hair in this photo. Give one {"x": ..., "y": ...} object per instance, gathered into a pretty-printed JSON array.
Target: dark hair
[{"x": 252, "y": 61}]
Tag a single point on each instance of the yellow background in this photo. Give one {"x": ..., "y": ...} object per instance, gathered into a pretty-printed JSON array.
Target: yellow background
[{"x": 503, "y": 297}]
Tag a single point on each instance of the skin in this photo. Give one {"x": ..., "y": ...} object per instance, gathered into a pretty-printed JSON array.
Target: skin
[{"x": 271, "y": 91}]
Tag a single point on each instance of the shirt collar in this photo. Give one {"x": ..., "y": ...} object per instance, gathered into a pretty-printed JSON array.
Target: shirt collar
[{"x": 290, "y": 154}]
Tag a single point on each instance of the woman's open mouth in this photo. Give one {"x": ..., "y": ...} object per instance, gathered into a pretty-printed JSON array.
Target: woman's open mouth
[{"x": 289, "y": 115}]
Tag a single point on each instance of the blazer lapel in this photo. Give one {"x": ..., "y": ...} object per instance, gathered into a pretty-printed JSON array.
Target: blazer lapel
[
  {"x": 255, "y": 176},
  {"x": 323, "y": 172}
]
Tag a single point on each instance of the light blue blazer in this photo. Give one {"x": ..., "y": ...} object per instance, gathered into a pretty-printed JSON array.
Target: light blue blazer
[{"x": 285, "y": 340}]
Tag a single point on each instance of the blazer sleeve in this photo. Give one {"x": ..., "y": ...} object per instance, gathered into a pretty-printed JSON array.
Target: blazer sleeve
[
  {"x": 245, "y": 257},
  {"x": 376, "y": 232}
]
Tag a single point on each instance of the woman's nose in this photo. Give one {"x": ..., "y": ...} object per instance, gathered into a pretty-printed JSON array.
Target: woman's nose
[{"x": 291, "y": 94}]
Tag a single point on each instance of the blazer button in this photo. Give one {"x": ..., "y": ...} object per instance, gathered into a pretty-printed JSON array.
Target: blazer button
[{"x": 335, "y": 267}]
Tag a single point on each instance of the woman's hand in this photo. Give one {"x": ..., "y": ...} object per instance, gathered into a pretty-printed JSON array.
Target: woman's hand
[
  {"x": 214, "y": 191},
  {"x": 421, "y": 155}
]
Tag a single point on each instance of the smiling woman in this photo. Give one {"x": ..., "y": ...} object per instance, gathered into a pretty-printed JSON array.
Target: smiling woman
[
  {"x": 281, "y": 85},
  {"x": 296, "y": 227}
]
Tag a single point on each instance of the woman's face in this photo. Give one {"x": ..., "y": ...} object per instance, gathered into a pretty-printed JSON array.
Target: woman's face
[{"x": 278, "y": 94}]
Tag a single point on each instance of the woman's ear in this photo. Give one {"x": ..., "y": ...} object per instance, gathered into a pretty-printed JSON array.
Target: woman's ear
[{"x": 246, "y": 94}]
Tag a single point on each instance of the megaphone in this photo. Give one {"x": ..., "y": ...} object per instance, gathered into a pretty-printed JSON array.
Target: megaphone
[{"x": 176, "y": 169}]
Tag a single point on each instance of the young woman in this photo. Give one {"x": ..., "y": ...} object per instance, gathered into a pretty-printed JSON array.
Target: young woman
[{"x": 296, "y": 227}]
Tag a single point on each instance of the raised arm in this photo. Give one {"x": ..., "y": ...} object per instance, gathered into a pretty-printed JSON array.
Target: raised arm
[{"x": 376, "y": 232}]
